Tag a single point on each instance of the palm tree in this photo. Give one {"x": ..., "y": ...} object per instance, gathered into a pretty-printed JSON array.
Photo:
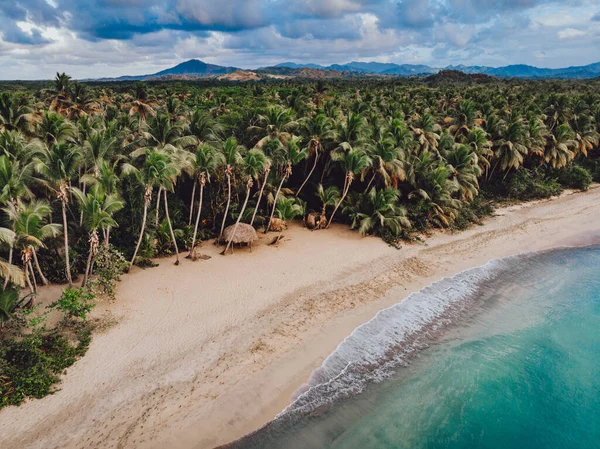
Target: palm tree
[
  {"x": 478, "y": 141},
  {"x": 464, "y": 165},
  {"x": 8, "y": 271},
  {"x": 98, "y": 209},
  {"x": 316, "y": 129},
  {"x": 387, "y": 162},
  {"x": 14, "y": 114},
  {"x": 558, "y": 151},
  {"x": 156, "y": 169},
  {"x": 329, "y": 197},
  {"x": 55, "y": 128},
  {"x": 352, "y": 161},
  {"x": 510, "y": 146},
  {"x": 276, "y": 123},
  {"x": 30, "y": 228},
  {"x": 376, "y": 210},
  {"x": 254, "y": 162},
  {"x": 427, "y": 132},
  {"x": 232, "y": 156},
  {"x": 207, "y": 159},
  {"x": 283, "y": 161},
  {"x": 143, "y": 105},
  {"x": 203, "y": 126},
  {"x": 287, "y": 210},
  {"x": 57, "y": 164},
  {"x": 14, "y": 179}
]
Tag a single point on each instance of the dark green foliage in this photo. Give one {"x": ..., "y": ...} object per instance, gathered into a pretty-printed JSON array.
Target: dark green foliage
[
  {"x": 109, "y": 265},
  {"x": 473, "y": 213},
  {"x": 31, "y": 365},
  {"x": 575, "y": 177},
  {"x": 75, "y": 303},
  {"x": 527, "y": 185}
]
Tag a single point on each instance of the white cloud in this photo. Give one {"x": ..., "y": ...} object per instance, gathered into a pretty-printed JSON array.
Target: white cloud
[{"x": 570, "y": 33}]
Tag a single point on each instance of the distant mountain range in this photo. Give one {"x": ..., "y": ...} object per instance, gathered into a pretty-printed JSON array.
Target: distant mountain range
[
  {"x": 198, "y": 69},
  {"x": 510, "y": 71}
]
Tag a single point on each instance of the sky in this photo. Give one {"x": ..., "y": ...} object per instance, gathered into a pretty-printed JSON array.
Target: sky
[{"x": 107, "y": 38}]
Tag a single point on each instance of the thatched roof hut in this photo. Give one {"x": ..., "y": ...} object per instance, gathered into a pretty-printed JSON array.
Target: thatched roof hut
[{"x": 243, "y": 234}]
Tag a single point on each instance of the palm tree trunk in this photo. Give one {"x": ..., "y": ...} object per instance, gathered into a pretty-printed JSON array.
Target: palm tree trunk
[
  {"x": 239, "y": 217},
  {"x": 37, "y": 265},
  {"x": 81, "y": 213},
  {"x": 346, "y": 188},
  {"x": 192, "y": 253},
  {"x": 10, "y": 257},
  {"x": 87, "y": 267},
  {"x": 370, "y": 182},
  {"x": 309, "y": 174},
  {"x": 192, "y": 204},
  {"x": 226, "y": 207},
  {"x": 171, "y": 228},
  {"x": 146, "y": 203},
  {"x": 274, "y": 204},
  {"x": 157, "y": 206},
  {"x": 259, "y": 197},
  {"x": 66, "y": 234},
  {"x": 28, "y": 279}
]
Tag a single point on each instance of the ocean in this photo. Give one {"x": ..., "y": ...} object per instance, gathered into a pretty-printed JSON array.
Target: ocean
[{"x": 506, "y": 355}]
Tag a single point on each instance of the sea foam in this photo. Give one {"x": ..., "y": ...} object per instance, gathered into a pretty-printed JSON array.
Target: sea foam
[{"x": 377, "y": 348}]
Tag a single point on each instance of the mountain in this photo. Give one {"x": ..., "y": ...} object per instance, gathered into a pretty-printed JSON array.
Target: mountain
[
  {"x": 510, "y": 71},
  {"x": 195, "y": 67},
  {"x": 198, "y": 69}
]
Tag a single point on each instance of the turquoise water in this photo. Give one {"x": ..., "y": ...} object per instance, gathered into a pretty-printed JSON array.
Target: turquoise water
[{"x": 511, "y": 359}]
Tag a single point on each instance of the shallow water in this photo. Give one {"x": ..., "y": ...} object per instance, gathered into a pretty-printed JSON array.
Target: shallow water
[{"x": 503, "y": 356}]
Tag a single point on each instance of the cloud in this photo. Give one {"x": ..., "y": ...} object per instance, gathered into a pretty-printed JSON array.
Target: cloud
[
  {"x": 117, "y": 37},
  {"x": 570, "y": 33}
]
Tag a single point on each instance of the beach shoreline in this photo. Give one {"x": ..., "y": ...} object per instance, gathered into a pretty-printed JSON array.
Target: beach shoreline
[{"x": 207, "y": 352}]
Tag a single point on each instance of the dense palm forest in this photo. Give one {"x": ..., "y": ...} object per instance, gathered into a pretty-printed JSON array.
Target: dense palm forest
[{"x": 97, "y": 177}]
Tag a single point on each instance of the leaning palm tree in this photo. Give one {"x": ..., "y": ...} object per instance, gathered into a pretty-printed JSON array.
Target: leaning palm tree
[
  {"x": 28, "y": 221},
  {"x": 316, "y": 130},
  {"x": 98, "y": 209},
  {"x": 156, "y": 169},
  {"x": 353, "y": 161},
  {"x": 57, "y": 165},
  {"x": 206, "y": 161},
  {"x": 283, "y": 161},
  {"x": 254, "y": 162},
  {"x": 232, "y": 156}
]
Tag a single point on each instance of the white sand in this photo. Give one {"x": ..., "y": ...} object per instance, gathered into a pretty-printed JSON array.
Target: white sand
[{"x": 208, "y": 351}]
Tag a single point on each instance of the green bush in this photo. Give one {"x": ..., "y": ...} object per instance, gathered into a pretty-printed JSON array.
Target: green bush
[
  {"x": 109, "y": 264},
  {"x": 576, "y": 177},
  {"x": 531, "y": 185},
  {"x": 75, "y": 303},
  {"x": 31, "y": 365}
]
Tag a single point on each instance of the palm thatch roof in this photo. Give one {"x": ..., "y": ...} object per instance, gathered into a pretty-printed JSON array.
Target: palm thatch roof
[{"x": 243, "y": 234}]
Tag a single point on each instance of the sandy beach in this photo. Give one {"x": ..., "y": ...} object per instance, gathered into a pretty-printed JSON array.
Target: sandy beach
[{"x": 198, "y": 355}]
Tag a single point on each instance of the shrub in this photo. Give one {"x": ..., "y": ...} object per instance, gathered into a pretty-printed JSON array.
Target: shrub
[
  {"x": 531, "y": 185},
  {"x": 576, "y": 177},
  {"x": 31, "y": 365},
  {"x": 74, "y": 303},
  {"x": 109, "y": 264}
]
